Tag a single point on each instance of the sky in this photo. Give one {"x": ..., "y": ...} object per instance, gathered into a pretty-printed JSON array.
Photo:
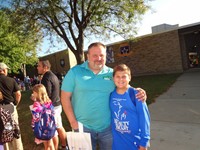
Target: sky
[
  {"x": 173, "y": 12},
  {"x": 181, "y": 12}
]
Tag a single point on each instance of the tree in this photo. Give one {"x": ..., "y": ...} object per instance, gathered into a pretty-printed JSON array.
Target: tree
[
  {"x": 75, "y": 20},
  {"x": 17, "y": 44}
]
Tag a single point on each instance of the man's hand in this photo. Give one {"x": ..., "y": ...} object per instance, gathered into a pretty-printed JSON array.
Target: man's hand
[
  {"x": 74, "y": 125},
  {"x": 17, "y": 97},
  {"x": 141, "y": 95}
]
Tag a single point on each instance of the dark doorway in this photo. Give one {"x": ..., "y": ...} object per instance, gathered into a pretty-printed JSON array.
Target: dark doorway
[{"x": 192, "y": 41}]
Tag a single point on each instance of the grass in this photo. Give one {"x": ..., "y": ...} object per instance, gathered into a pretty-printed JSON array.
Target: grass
[
  {"x": 154, "y": 85},
  {"x": 25, "y": 122}
]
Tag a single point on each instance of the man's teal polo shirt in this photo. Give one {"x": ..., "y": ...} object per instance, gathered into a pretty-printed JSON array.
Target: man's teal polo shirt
[{"x": 90, "y": 95}]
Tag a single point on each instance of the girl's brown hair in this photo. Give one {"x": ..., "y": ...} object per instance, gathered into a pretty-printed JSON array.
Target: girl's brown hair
[{"x": 42, "y": 93}]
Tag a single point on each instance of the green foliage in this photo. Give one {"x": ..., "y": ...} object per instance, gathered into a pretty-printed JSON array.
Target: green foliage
[
  {"x": 17, "y": 45},
  {"x": 73, "y": 20}
]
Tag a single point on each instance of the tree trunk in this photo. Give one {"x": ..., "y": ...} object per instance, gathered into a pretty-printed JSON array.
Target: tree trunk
[
  {"x": 23, "y": 69},
  {"x": 80, "y": 58}
]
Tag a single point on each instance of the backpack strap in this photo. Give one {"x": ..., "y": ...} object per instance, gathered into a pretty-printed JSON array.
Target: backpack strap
[{"x": 132, "y": 95}]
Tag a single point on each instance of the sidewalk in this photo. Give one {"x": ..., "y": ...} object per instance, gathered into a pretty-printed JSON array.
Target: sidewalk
[{"x": 175, "y": 116}]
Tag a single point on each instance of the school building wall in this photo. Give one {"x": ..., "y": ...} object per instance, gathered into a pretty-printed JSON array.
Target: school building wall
[
  {"x": 61, "y": 61},
  {"x": 166, "y": 51},
  {"x": 154, "y": 54}
]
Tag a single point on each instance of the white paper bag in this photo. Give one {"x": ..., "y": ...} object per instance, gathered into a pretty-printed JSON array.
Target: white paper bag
[{"x": 79, "y": 140}]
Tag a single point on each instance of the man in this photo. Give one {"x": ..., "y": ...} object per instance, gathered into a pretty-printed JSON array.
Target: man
[
  {"x": 11, "y": 95},
  {"x": 85, "y": 95},
  {"x": 51, "y": 82}
]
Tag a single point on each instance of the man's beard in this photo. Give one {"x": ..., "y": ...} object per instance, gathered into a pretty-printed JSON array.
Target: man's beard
[{"x": 98, "y": 66}]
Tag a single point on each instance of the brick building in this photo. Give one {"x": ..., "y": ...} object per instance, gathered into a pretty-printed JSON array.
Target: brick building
[
  {"x": 158, "y": 53},
  {"x": 60, "y": 61},
  {"x": 166, "y": 50}
]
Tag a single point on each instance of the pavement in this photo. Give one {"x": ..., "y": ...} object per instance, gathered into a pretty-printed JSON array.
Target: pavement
[{"x": 175, "y": 116}]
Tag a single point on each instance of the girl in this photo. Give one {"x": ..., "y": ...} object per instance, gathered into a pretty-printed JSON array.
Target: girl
[{"x": 41, "y": 99}]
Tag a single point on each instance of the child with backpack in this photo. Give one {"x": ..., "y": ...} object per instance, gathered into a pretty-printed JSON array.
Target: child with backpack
[
  {"x": 43, "y": 121},
  {"x": 130, "y": 118}
]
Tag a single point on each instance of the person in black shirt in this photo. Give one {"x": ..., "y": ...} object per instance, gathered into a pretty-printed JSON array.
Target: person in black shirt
[
  {"x": 11, "y": 95},
  {"x": 51, "y": 82}
]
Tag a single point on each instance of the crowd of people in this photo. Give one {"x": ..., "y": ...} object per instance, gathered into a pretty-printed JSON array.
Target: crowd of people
[
  {"x": 27, "y": 83},
  {"x": 85, "y": 98}
]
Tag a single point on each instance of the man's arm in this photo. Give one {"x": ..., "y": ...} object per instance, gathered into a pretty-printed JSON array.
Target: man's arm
[
  {"x": 17, "y": 97},
  {"x": 68, "y": 109}
]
